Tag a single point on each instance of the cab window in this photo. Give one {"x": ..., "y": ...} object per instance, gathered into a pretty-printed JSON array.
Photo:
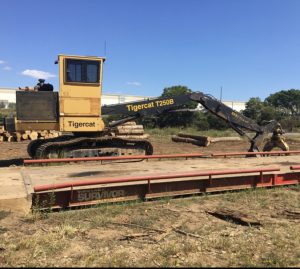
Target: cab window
[{"x": 82, "y": 71}]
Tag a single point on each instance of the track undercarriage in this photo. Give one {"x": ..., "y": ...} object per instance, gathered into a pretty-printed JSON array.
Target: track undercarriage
[{"x": 69, "y": 146}]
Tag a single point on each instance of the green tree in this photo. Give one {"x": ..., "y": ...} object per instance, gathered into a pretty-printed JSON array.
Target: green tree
[
  {"x": 286, "y": 101},
  {"x": 287, "y": 107},
  {"x": 268, "y": 113},
  {"x": 253, "y": 108},
  {"x": 2, "y": 105},
  {"x": 260, "y": 111},
  {"x": 200, "y": 121},
  {"x": 177, "y": 119},
  {"x": 214, "y": 122},
  {"x": 12, "y": 105}
]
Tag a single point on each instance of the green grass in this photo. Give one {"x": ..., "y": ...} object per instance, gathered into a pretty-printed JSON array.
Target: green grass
[{"x": 89, "y": 237}]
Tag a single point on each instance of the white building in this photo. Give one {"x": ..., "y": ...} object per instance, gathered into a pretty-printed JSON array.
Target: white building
[
  {"x": 9, "y": 96},
  {"x": 110, "y": 99},
  {"x": 236, "y": 105}
]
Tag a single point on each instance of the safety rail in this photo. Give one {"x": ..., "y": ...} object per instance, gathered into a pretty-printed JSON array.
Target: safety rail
[
  {"x": 295, "y": 167},
  {"x": 148, "y": 178},
  {"x": 112, "y": 158},
  {"x": 225, "y": 154}
]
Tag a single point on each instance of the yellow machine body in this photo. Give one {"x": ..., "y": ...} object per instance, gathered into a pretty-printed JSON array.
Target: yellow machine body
[{"x": 79, "y": 98}]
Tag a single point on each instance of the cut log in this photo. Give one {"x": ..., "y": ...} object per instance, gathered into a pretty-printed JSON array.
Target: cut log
[
  {"x": 122, "y": 129},
  {"x": 135, "y": 132},
  {"x": 24, "y": 136},
  {"x": 225, "y": 139},
  {"x": 129, "y": 127},
  {"x": 43, "y": 133},
  {"x": 18, "y": 136},
  {"x": 129, "y": 123},
  {"x": 4, "y": 138},
  {"x": 56, "y": 134},
  {"x": 205, "y": 140},
  {"x": 188, "y": 140},
  {"x": 33, "y": 135},
  {"x": 11, "y": 139},
  {"x": 1, "y": 138},
  {"x": 144, "y": 136}
]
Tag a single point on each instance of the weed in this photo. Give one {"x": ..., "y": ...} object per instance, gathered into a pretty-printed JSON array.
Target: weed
[
  {"x": 118, "y": 259},
  {"x": 66, "y": 231},
  {"x": 3, "y": 230},
  {"x": 169, "y": 250},
  {"x": 42, "y": 208},
  {"x": 3, "y": 214},
  {"x": 189, "y": 247}
]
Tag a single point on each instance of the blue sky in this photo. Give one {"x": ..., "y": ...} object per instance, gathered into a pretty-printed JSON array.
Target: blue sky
[{"x": 250, "y": 48}]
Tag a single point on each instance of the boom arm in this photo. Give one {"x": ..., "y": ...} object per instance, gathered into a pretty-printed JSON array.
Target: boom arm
[
  {"x": 156, "y": 106},
  {"x": 235, "y": 119}
]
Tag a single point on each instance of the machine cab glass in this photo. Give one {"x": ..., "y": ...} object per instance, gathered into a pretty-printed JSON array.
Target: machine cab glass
[{"x": 82, "y": 71}]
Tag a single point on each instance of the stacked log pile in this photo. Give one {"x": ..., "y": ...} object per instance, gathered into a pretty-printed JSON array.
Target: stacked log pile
[
  {"x": 27, "y": 135},
  {"x": 203, "y": 141},
  {"x": 130, "y": 130}
]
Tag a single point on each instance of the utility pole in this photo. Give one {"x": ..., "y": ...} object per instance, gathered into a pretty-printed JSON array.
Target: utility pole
[{"x": 221, "y": 92}]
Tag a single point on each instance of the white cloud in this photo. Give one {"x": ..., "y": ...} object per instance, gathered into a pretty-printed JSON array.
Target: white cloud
[
  {"x": 37, "y": 74},
  {"x": 134, "y": 83},
  {"x": 6, "y": 68},
  {"x": 2, "y": 62}
]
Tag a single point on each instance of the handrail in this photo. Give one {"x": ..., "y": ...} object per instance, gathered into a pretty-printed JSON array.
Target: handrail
[
  {"x": 112, "y": 158},
  {"x": 255, "y": 153}
]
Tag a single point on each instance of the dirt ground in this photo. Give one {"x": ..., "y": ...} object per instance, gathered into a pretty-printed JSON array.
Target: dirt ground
[
  {"x": 161, "y": 145},
  {"x": 163, "y": 233}
]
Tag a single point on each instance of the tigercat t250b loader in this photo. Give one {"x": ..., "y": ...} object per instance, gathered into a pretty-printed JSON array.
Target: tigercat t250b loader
[{"x": 76, "y": 111}]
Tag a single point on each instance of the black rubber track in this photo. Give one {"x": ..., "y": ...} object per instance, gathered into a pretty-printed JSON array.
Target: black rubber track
[{"x": 70, "y": 143}]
